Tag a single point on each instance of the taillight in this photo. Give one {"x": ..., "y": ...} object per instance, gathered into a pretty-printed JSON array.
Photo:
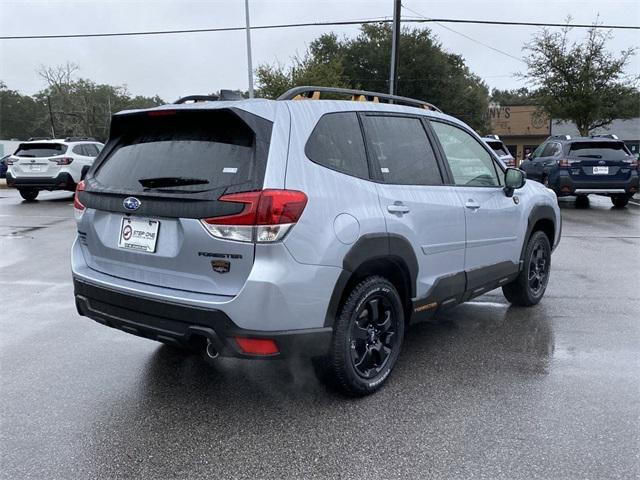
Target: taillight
[
  {"x": 78, "y": 207},
  {"x": 267, "y": 216},
  {"x": 9, "y": 161},
  {"x": 257, "y": 346},
  {"x": 62, "y": 161},
  {"x": 566, "y": 162}
]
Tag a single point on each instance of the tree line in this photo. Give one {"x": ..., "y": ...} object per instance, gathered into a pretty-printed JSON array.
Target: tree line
[
  {"x": 67, "y": 106},
  {"x": 573, "y": 81}
]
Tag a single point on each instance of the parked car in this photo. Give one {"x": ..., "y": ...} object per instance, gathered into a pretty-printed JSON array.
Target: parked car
[
  {"x": 50, "y": 164},
  {"x": 322, "y": 228},
  {"x": 500, "y": 149},
  {"x": 3, "y": 166},
  {"x": 600, "y": 164}
]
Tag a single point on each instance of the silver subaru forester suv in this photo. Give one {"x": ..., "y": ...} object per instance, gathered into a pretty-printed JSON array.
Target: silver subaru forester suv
[{"x": 296, "y": 227}]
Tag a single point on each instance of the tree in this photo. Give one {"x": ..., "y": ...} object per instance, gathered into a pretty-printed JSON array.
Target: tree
[
  {"x": 80, "y": 107},
  {"x": 20, "y": 115},
  {"x": 520, "y": 96},
  {"x": 273, "y": 80},
  {"x": 581, "y": 82},
  {"x": 426, "y": 71}
]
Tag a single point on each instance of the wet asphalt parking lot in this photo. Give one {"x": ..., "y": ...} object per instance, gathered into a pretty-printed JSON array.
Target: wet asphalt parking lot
[{"x": 486, "y": 391}]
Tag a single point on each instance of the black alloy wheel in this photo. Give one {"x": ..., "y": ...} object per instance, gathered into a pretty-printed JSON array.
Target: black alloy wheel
[
  {"x": 367, "y": 338},
  {"x": 538, "y": 268},
  {"x": 373, "y": 336},
  {"x": 528, "y": 287}
]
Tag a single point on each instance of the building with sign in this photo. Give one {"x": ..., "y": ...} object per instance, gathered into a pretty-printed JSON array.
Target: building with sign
[{"x": 522, "y": 128}]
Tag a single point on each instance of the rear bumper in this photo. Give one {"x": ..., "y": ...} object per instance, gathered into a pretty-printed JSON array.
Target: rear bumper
[
  {"x": 564, "y": 184},
  {"x": 63, "y": 181},
  {"x": 183, "y": 325}
]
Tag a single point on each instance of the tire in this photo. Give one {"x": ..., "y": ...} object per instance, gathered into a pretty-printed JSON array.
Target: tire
[
  {"x": 29, "y": 194},
  {"x": 367, "y": 338},
  {"x": 545, "y": 181},
  {"x": 582, "y": 201},
  {"x": 529, "y": 287},
  {"x": 619, "y": 201}
]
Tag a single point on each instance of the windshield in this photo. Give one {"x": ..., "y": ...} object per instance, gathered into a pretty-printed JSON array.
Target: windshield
[
  {"x": 186, "y": 152},
  {"x": 39, "y": 150},
  {"x": 604, "y": 150}
]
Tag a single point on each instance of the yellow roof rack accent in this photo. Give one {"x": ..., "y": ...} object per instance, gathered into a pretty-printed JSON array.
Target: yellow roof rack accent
[
  {"x": 314, "y": 96},
  {"x": 315, "y": 93}
]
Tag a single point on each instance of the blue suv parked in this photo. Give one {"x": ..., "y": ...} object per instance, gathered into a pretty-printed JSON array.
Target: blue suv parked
[{"x": 599, "y": 164}]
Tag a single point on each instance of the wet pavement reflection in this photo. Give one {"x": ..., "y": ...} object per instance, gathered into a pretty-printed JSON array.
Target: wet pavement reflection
[{"x": 484, "y": 391}]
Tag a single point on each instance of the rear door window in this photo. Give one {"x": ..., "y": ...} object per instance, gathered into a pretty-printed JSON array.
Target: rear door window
[
  {"x": 551, "y": 149},
  {"x": 80, "y": 150},
  {"x": 188, "y": 151},
  {"x": 499, "y": 148},
  {"x": 91, "y": 149},
  {"x": 599, "y": 150},
  {"x": 40, "y": 150},
  {"x": 336, "y": 143},
  {"x": 400, "y": 149}
]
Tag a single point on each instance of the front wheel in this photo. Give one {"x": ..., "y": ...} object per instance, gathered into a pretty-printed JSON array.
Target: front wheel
[
  {"x": 367, "y": 337},
  {"x": 529, "y": 287},
  {"x": 29, "y": 194},
  {"x": 620, "y": 201}
]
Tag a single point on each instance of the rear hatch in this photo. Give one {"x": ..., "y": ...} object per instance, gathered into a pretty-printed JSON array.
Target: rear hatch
[
  {"x": 160, "y": 173},
  {"x": 599, "y": 161},
  {"x": 38, "y": 159}
]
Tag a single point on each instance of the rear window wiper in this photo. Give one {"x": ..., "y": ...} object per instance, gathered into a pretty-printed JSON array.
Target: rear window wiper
[
  {"x": 161, "y": 182},
  {"x": 590, "y": 156}
]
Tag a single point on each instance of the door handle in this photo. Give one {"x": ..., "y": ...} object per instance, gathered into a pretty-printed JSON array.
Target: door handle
[
  {"x": 472, "y": 204},
  {"x": 397, "y": 208}
]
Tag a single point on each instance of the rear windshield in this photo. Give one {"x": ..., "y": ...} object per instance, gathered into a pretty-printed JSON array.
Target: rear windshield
[
  {"x": 605, "y": 150},
  {"x": 499, "y": 148},
  {"x": 37, "y": 150},
  {"x": 182, "y": 152}
]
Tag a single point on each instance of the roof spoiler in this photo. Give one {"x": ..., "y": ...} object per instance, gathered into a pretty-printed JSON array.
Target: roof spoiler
[{"x": 225, "y": 96}]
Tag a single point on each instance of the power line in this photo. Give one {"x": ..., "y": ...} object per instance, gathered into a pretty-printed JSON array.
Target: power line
[
  {"x": 468, "y": 37},
  {"x": 313, "y": 24}
]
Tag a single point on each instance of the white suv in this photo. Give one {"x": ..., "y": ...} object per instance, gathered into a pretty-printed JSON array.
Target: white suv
[{"x": 50, "y": 164}]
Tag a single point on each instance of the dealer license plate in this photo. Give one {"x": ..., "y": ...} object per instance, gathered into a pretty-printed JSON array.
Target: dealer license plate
[{"x": 139, "y": 234}]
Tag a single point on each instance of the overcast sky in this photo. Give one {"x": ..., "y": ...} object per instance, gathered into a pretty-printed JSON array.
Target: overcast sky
[{"x": 177, "y": 65}]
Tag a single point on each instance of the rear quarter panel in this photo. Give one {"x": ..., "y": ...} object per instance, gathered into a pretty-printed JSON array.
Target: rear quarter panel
[{"x": 340, "y": 208}]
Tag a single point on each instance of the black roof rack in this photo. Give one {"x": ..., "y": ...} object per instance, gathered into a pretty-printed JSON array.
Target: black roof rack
[
  {"x": 560, "y": 137},
  {"x": 314, "y": 93},
  {"x": 225, "y": 96},
  {"x": 606, "y": 135},
  {"x": 79, "y": 139},
  {"x": 196, "y": 99}
]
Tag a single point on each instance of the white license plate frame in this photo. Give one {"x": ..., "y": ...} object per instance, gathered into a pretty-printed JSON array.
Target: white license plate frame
[{"x": 139, "y": 234}]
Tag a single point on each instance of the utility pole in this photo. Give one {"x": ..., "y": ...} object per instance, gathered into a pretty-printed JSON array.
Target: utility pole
[
  {"x": 53, "y": 127},
  {"x": 249, "y": 62},
  {"x": 395, "y": 47}
]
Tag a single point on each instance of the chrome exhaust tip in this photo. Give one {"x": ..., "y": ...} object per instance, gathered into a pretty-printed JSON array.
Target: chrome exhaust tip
[{"x": 211, "y": 350}]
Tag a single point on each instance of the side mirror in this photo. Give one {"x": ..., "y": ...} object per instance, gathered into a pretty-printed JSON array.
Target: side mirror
[{"x": 514, "y": 179}]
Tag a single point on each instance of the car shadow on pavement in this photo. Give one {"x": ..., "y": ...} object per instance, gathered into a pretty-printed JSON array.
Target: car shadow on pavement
[
  {"x": 481, "y": 335},
  {"x": 235, "y": 408}
]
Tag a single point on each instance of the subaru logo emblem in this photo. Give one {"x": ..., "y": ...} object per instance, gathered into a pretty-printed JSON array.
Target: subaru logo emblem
[{"x": 131, "y": 203}]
